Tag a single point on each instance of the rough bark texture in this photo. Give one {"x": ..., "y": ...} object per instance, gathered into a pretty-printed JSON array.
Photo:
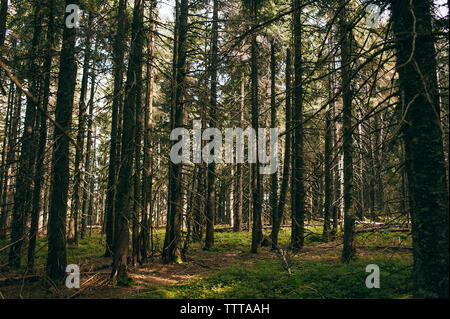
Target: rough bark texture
[
  {"x": 133, "y": 90},
  {"x": 211, "y": 191},
  {"x": 3, "y": 15},
  {"x": 24, "y": 182},
  {"x": 39, "y": 176},
  {"x": 425, "y": 168},
  {"x": 172, "y": 251},
  {"x": 348, "y": 250},
  {"x": 298, "y": 191},
  {"x": 57, "y": 260},
  {"x": 82, "y": 110},
  {"x": 119, "y": 54}
]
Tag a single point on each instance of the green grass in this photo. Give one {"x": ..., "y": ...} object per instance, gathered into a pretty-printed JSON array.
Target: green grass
[
  {"x": 90, "y": 246},
  {"x": 316, "y": 276},
  {"x": 399, "y": 239},
  {"x": 310, "y": 279}
]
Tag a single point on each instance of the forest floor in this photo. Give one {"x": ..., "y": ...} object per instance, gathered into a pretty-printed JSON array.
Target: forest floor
[{"x": 229, "y": 270}]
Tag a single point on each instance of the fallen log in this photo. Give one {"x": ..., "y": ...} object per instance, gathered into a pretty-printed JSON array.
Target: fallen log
[
  {"x": 19, "y": 280},
  {"x": 381, "y": 229},
  {"x": 385, "y": 247}
]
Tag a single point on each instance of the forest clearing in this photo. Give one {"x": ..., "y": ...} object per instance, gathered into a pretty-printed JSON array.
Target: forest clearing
[{"x": 224, "y": 149}]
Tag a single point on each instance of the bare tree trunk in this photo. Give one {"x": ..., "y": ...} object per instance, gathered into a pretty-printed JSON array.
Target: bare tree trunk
[
  {"x": 9, "y": 179},
  {"x": 256, "y": 177},
  {"x": 57, "y": 260},
  {"x": 422, "y": 135},
  {"x": 133, "y": 90},
  {"x": 328, "y": 176},
  {"x": 171, "y": 251},
  {"x": 348, "y": 250},
  {"x": 25, "y": 178},
  {"x": 39, "y": 176},
  {"x": 287, "y": 152},
  {"x": 211, "y": 168},
  {"x": 82, "y": 109},
  {"x": 298, "y": 191},
  {"x": 114, "y": 158},
  {"x": 4, "y": 164},
  {"x": 239, "y": 180},
  {"x": 147, "y": 185},
  {"x": 3, "y": 16},
  {"x": 137, "y": 182}
]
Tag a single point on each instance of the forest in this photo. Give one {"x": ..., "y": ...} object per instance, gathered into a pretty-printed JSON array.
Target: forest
[{"x": 223, "y": 149}]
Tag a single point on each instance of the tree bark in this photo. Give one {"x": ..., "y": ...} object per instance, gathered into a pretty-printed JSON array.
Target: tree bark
[
  {"x": 211, "y": 168},
  {"x": 348, "y": 251},
  {"x": 239, "y": 187},
  {"x": 425, "y": 167},
  {"x": 114, "y": 160},
  {"x": 298, "y": 188},
  {"x": 3, "y": 16},
  {"x": 57, "y": 260},
  {"x": 82, "y": 109},
  {"x": 147, "y": 185},
  {"x": 172, "y": 251},
  {"x": 133, "y": 90},
  {"x": 24, "y": 181},
  {"x": 39, "y": 176}
]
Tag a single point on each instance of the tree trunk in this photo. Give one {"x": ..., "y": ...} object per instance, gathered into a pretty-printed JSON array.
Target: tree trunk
[
  {"x": 287, "y": 152},
  {"x": 82, "y": 109},
  {"x": 171, "y": 251},
  {"x": 211, "y": 168},
  {"x": 239, "y": 187},
  {"x": 57, "y": 260},
  {"x": 298, "y": 188},
  {"x": 3, "y": 16},
  {"x": 147, "y": 185},
  {"x": 114, "y": 160},
  {"x": 348, "y": 250},
  {"x": 425, "y": 168},
  {"x": 39, "y": 176},
  {"x": 328, "y": 176},
  {"x": 256, "y": 177},
  {"x": 133, "y": 90},
  {"x": 4, "y": 164},
  {"x": 11, "y": 159},
  {"x": 24, "y": 181}
]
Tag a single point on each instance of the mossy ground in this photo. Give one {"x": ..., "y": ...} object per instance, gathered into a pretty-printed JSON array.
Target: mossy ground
[
  {"x": 316, "y": 271},
  {"x": 229, "y": 270}
]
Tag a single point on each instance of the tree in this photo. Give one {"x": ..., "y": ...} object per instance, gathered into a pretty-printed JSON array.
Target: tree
[
  {"x": 114, "y": 152},
  {"x": 133, "y": 91},
  {"x": 422, "y": 136},
  {"x": 147, "y": 182},
  {"x": 211, "y": 168},
  {"x": 346, "y": 37},
  {"x": 171, "y": 251},
  {"x": 3, "y": 15},
  {"x": 57, "y": 259},
  {"x": 297, "y": 184},
  {"x": 256, "y": 177},
  {"x": 82, "y": 116},
  {"x": 23, "y": 198},
  {"x": 38, "y": 178}
]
